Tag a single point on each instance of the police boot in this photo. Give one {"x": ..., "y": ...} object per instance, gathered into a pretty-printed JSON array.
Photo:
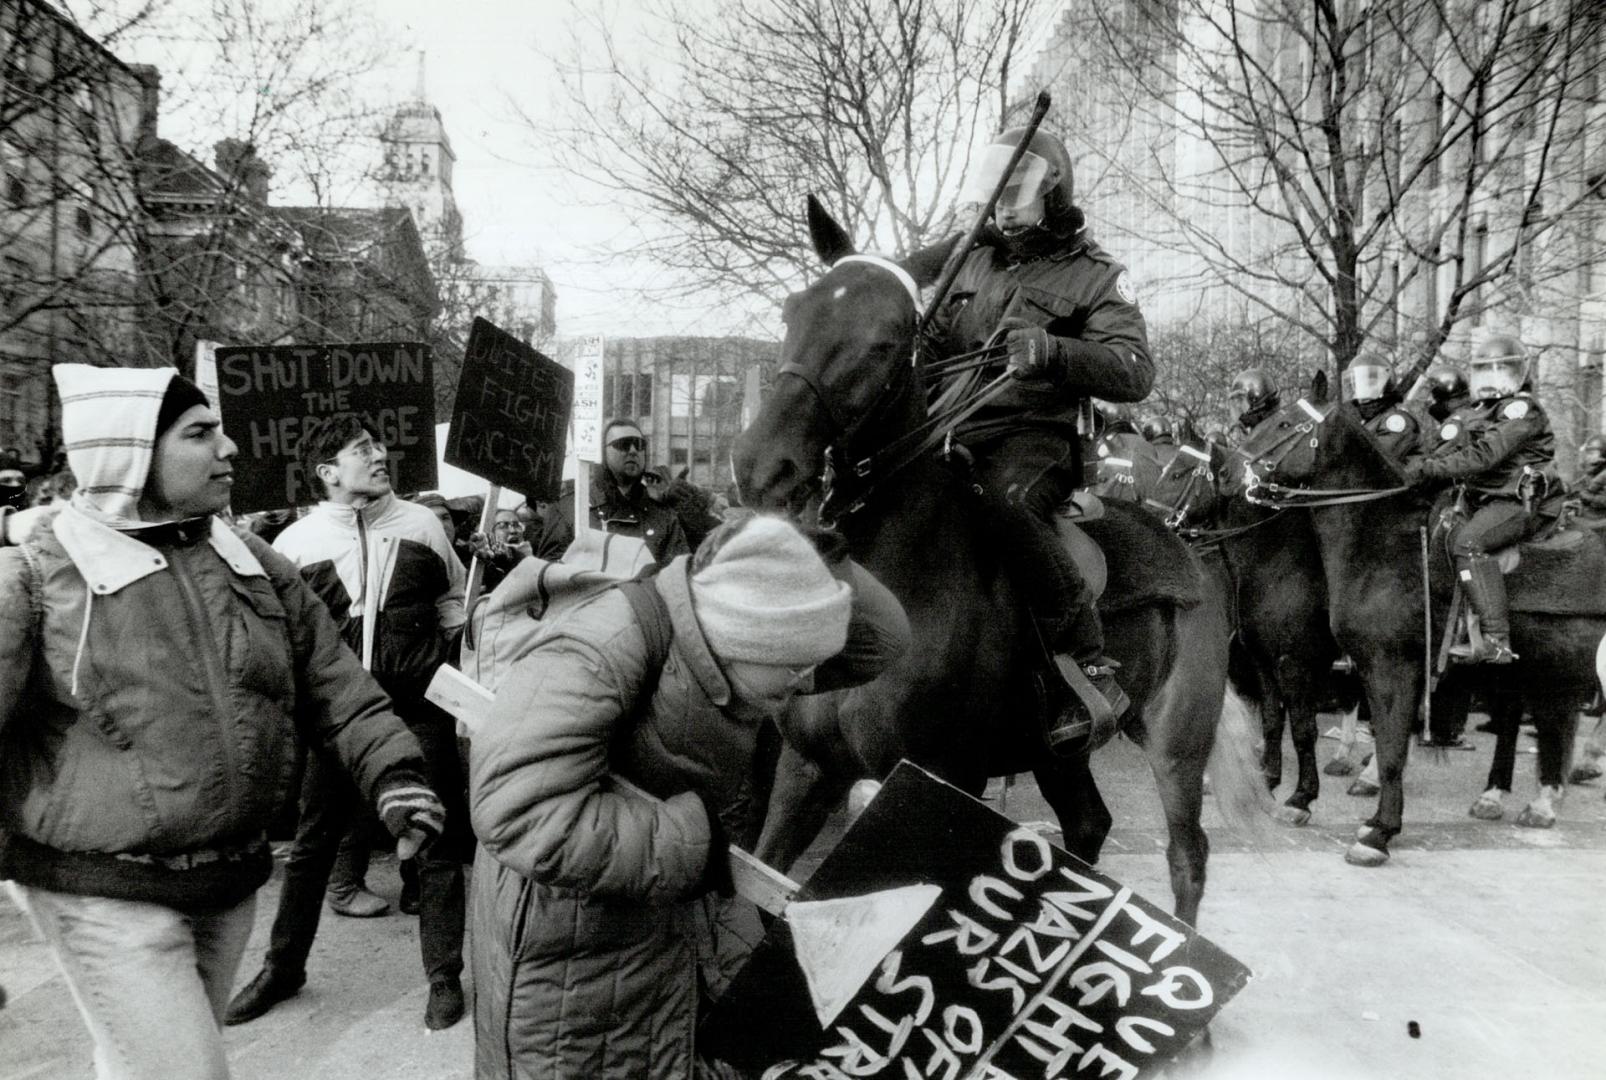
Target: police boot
[
  {"x": 1485, "y": 587},
  {"x": 1089, "y": 715}
]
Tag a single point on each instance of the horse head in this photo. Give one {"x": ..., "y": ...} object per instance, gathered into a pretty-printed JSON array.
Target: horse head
[
  {"x": 848, "y": 378},
  {"x": 1314, "y": 440}
]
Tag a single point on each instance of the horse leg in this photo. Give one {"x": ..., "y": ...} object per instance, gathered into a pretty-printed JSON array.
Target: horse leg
[
  {"x": 1556, "y": 726},
  {"x": 1393, "y": 688},
  {"x": 1067, "y": 785},
  {"x": 1505, "y": 713},
  {"x": 1366, "y": 785},
  {"x": 802, "y": 797},
  {"x": 1300, "y": 696},
  {"x": 1272, "y": 717}
]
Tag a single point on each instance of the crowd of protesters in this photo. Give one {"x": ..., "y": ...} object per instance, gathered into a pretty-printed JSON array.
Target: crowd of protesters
[{"x": 176, "y": 684}]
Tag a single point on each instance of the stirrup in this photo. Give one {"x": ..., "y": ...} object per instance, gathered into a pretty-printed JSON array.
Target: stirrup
[
  {"x": 1489, "y": 650},
  {"x": 1091, "y": 716}
]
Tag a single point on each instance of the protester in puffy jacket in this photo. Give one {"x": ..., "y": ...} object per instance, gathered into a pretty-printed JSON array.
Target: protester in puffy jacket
[
  {"x": 585, "y": 896},
  {"x": 153, "y": 669}
]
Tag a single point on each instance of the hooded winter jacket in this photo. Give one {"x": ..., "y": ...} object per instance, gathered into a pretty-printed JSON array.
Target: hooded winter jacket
[
  {"x": 149, "y": 709},
  {"x": 584, "y": 896}
]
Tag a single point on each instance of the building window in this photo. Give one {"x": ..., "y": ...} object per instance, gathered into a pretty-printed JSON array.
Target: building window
[{"x": 84, "y": 221}]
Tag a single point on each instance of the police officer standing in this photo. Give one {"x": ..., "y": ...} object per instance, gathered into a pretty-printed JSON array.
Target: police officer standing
[
  {"x": 1067, "y": 313},
  {"x": 1500, "y": 448},
  {"x": 1368, "y": 382}
]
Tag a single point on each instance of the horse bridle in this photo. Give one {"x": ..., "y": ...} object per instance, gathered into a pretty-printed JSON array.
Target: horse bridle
[
  {"x": 843, "y": 436},
  {"x": 1203, "y": 472},
  {"x": 1280, "y": 497}
]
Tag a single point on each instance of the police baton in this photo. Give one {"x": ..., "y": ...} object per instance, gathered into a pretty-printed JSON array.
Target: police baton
[{"x": 956, "y": 257}]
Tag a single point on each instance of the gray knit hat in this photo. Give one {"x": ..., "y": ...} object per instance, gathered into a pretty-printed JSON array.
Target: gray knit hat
[{"x": 765, "y": 597}]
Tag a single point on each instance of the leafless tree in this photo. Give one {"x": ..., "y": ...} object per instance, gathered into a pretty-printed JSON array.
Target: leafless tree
[
  {"x": 712, "y": 137},
  {"x": 1381, "y": 175}
]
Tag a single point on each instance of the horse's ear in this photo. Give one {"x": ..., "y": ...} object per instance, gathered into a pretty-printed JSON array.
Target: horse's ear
[
  {"x": 1318, "y": 387},
  {"x": 925, "y": 265},
  {"x": 830, "y": 240}
]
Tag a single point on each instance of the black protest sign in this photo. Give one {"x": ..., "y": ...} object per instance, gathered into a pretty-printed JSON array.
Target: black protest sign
[
  {"x": 1011, "y": 958},
  {"x": 511, "y": 417},
  {"x": 272, "y": 397}
]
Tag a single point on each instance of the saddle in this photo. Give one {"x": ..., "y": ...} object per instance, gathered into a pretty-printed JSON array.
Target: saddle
[
  {"x": 1128, "y": 555},
  {"x": 1557, "y": 572}
]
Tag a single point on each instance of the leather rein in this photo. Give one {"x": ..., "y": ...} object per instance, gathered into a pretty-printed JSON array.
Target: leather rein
[
  {"x": 871, "y": 470},
  {"x": 1268, "y": 493}
]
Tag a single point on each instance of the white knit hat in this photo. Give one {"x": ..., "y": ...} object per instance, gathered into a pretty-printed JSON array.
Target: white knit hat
[
  {"x": 766, "y": 597},
  {"x": 108, "y": 424}
]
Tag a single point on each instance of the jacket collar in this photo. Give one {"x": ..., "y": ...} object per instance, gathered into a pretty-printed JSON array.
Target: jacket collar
[
  {"x": 674, "y": 584},
  {"x": 110, "y": 560},
  {"x": 347, "y": 515}
]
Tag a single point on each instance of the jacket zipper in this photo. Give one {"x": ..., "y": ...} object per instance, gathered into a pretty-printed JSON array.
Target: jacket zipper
[
  {"x": 367, "y": 649},
  {"x": 209, "y": 664}
]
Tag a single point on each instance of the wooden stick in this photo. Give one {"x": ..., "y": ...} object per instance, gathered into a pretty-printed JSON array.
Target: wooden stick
[
  {"x": 470, "y": 703},
  {"x": 476, "y": 568}
]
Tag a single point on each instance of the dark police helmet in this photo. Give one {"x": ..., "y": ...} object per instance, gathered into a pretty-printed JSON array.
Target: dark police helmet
[
  {"x": 1446, "y": 382},
  {"x": 1252, "y": 390}
]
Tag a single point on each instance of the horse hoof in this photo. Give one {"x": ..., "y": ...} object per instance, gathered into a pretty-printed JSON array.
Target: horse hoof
[
  {"x": 1531, "y": 818},
  {"x": 1360, "y": 854},
  {"x": 1363, "y": 788},
  {"x": 1339, "y": 766},
  {"x": 1293, "y": 815},
  {"x": 1487, "y": 810},
  {"x": 1583, "y": 774}
]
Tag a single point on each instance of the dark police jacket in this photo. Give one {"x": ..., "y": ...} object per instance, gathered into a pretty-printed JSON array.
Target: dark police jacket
[
  {"x": 1396, "y": 429},
  {"x": 1489, "y": 444},
  {"x": 1079, "y": 294}
]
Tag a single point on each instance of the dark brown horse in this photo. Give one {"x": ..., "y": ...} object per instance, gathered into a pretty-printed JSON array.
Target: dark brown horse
[
  {"x": 1283, "y": 648},
  {"x": 964, "y": 701},
  {"x": 1367, "y": 526}
]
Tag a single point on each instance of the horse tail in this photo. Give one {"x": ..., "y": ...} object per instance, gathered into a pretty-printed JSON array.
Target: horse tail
[{"x": 1235, "y": 773}]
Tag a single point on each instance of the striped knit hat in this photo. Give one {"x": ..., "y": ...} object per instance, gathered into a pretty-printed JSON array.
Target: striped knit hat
[{"x": 108, "y": 424}]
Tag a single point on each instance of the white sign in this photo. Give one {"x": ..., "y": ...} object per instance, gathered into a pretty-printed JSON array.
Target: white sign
[
  {"x": 586, "y": 427},
  {"x": 206, "y": 371}
]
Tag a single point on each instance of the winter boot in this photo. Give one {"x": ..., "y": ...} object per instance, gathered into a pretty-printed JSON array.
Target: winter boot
[{"x": 1485, "y": 587}]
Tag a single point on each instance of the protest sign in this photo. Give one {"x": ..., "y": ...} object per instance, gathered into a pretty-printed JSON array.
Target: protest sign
[
  {"x": 940, "y": 938},
  {"x": 588, "y": 418},
  {"x": 272, "y": 396},
  {"x": 511, "y": 415}
]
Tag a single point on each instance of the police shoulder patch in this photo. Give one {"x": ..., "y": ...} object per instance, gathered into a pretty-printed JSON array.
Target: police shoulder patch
[
  {"x": 1394, "y": 424},
  {"x": 1104, "y": 449},
  {"x": 1123, "y": 287},
  {"x": 1514, "y": 410},
  {"x": 1449, "y": 431}
]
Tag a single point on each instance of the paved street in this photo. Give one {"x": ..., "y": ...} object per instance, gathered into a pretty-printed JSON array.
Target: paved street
[{"x": 1490, "y": 937}]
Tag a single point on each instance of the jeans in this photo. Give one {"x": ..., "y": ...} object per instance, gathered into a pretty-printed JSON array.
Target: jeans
[
  {"x": 150, "y": 982},
  {"x": 330, "y": 803}
]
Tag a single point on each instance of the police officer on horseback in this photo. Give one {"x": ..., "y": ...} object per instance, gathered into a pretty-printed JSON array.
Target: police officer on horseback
[
  {"x": 1447, "y": 390},
  {"x": 1065, "y": 312},
  {"x": 1254, "y": 397},
  {"x": 1499, "y": 447},
  {"x": 1368, "y": 383}
]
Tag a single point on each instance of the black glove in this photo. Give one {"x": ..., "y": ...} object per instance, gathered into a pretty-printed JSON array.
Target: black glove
[
  {"x": 831, "y": 546},
  {"x": 408, "y": 805},
  {"x": 1418, "y": 477},
  {"x": 717, "y": 871},
  {"x": 1033, "y": 354}
]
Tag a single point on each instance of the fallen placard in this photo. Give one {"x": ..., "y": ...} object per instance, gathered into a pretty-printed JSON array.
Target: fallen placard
[{"x": 940, "y": 938}]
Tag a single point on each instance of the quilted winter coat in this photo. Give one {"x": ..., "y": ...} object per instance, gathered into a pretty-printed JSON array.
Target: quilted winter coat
[{"x": 584, "y": 896}]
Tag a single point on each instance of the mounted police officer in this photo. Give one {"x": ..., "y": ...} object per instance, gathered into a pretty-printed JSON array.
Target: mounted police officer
[
  {"x": 1499, "y": 447},
  {"x": 1447, "y": 391},
  {"x": 1067, "y": 314},
  {"x": 1591, "y": 483},
  {"x": 1368, "y": 383},
  {"x": 1254, "y": 397}
]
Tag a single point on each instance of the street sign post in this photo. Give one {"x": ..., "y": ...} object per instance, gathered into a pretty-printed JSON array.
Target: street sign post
[
  {"x": 941, "y": 938},
  {"x": 587, "y": 426},
  {"x": 272, "y": 396}
]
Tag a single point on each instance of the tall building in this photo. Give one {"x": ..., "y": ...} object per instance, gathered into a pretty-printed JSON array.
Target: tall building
[
  {"x": 69, "y": 210},
  {"x": 417, "y": 172}
]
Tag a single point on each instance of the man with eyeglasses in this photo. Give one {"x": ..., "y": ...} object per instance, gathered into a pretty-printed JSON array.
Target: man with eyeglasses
[
  {"x": 384, "y": 568},
  {"x": 620, "y": 502}
]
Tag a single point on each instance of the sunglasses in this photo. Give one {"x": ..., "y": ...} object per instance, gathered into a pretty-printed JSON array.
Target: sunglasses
[{"x": 629, "y": 443}]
